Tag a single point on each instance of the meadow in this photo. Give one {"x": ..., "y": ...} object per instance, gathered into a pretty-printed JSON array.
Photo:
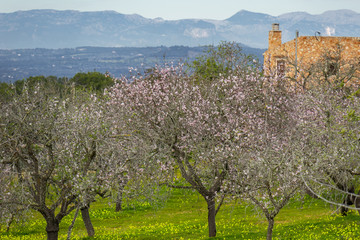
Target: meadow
[{"x": 183, "y": 215}]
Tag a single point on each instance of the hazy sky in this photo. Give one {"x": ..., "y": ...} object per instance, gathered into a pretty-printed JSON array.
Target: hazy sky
[{"x": 180, "y": 9}]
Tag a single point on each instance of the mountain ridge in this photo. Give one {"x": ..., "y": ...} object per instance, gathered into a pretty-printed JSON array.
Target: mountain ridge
[{"x": 55, "y": 29}]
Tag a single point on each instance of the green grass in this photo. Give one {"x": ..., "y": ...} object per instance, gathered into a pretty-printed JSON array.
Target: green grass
[{"x": 184, "y": 216}]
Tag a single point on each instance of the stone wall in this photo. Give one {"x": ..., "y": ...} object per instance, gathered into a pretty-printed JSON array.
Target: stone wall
[{"x": 310, "y": 50}]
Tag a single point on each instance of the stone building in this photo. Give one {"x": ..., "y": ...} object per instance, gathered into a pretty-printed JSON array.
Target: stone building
[{"x": 294, "y": 57}]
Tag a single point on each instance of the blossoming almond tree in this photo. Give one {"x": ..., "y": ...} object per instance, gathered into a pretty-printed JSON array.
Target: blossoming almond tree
[
  {"x": 131, "y": 171},
  {"x": 86, "y": 149},
  {"x": 270, "y": 176},
  {"x": 50, "y": 146},
  {"x": 199, "y": 129},
  {"x": 329, "y": 119}
]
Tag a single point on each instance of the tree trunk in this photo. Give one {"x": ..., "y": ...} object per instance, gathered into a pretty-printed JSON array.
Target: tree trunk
[
  {"x": 87, "y": 221},
  {"x": 52, "y": 229},
  {"x": 72, "y": 223},
  {"x": 310, "y": 193},
  {"x": 357, "y": 202},
  {"x": 118, "y": 206},
  {"x": 211, "y": 217},
  {"x": 8, "y": 224},
  {"x": 270, "y": 228},
  {"x": 348, "y": 201}
]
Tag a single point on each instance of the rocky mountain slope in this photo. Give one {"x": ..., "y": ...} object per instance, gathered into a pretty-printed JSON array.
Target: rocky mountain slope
[{"x": 69, "y": 29}]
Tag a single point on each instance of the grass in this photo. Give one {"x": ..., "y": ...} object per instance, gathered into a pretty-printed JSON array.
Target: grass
[{"x": 184, "y": 216}]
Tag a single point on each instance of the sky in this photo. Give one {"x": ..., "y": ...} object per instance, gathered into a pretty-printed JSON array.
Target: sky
[{"x": 183, "y": 9}]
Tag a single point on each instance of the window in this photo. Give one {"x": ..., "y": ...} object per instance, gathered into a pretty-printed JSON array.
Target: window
[{"x": 280, "y": 67}]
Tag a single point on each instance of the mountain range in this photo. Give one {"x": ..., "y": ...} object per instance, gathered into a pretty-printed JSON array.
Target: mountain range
[{"x": 69, "y": 29}]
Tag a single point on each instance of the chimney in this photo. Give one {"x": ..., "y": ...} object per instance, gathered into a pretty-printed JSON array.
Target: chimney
[
  {"x": 275, "y": 27},
  {"x": 274, "y": 36}
]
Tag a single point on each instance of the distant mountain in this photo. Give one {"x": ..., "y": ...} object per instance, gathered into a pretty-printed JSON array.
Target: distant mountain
[{"x": 70, "y": 29}]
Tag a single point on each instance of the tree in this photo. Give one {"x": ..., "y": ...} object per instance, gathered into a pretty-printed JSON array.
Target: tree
[
  {"x": 50, "y": 147},
  {"x": 266, "y": 171},
  {"x": 10, "y": 213},
  {"x": 322, "y": 87},
  {"x": 50, "y": 83},
  {"x": 93, "y": 81},
  {"x": 222, "y": 61},
  {"x": 329, "y": 119},
  {"x": 6, "y": 92},
  {"x": 197, "y": 129}
]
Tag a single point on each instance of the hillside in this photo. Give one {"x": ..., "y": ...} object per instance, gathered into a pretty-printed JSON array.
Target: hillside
[
  {"x": 22, "y": 63},
  {"x": 70, "y": 29}
]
